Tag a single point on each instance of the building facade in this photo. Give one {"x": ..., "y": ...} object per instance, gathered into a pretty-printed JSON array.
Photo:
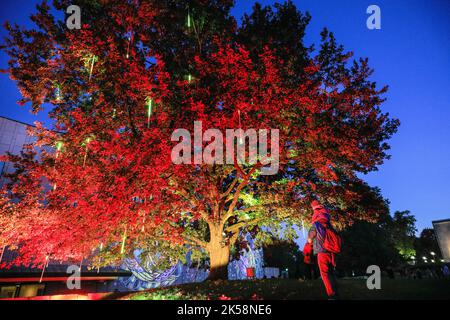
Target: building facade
[
  {"x": 442, "y": 230},
  {"x": 13, "y": 135}
]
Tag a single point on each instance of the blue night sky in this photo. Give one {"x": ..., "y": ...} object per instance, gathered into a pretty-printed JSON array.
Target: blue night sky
[{"x": 411, "y": 54}]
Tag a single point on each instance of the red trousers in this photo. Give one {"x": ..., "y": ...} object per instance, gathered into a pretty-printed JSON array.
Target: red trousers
[{"x": 325, "y": 262}]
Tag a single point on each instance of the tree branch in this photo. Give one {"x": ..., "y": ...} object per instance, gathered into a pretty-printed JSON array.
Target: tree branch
[
  {"x": 193, "y": 240},
  {"x": 230, "y": 188},
  {"x": 235, "y": 227},
  {"x": 192, "y": 198},
  {"x": 235, "y": 200}
]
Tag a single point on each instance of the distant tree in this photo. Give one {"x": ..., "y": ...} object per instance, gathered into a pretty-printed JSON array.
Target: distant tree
[
  {"x": 427, "y": 243},
  {"x": 279, "y": 28},
  {"x": 284, "y": 255},
  {"x": 367, "y": 244},
  {"x": 403, "y": 232},
  {"x": 388, "y": 242}
]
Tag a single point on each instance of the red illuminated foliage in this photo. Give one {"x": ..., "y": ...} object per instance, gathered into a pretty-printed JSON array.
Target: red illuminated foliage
[{"x": 102, "y": 182}]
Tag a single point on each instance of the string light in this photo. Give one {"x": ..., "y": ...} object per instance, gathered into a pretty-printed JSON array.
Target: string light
[
  {"x": 122, "y": 248},
  {"x": 240, "y": 127},
  {"x": 58, "y": 95},
  {"x": 43, "y": 269},
  {"x": 3, "y": 251},
  {"x": 128, "y": 48},
  {"x": 189, "y": 23},
  {"x": 93, "y": 60},
  {"x": 303, "y": 229},
  {"x": 98, "y": 267},
  {"x": 87, "y": 141},
  {"x": 89, "y": 63},
  {"x": 143, "y": 224},
  {"x": 149, "y": 103},
  {"x": 59, "y": 145}
]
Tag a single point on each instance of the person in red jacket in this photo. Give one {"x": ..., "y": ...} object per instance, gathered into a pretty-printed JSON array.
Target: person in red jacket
[
  {"x": 309, "y": 260},
  {"x": 320, "y": 221}
]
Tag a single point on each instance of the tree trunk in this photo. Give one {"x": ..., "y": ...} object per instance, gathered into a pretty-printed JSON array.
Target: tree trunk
[{"x": 219, "y": 255}]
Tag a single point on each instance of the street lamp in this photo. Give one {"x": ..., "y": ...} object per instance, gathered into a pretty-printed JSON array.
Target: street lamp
[{"x": 432, "y": 253}]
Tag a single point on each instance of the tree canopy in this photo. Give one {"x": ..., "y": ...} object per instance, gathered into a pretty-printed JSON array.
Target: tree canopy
[{"x": 101, "y": 182}]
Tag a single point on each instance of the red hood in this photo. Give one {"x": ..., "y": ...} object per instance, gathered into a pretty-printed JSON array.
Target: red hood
[{"x": 321, "y": 215}]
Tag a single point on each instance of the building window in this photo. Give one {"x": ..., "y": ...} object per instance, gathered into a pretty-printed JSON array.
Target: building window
[
  {"x": 8, "y": 292},
  {"x": 31, "y": 290}
]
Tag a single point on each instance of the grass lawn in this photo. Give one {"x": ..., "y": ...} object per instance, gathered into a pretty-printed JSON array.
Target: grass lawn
[{"x": 280, "y": 289}]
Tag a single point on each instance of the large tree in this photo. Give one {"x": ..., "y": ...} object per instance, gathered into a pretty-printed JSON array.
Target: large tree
[
  {"x": 402, "y": 230},
  {"x": 102, "y": 181}
]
